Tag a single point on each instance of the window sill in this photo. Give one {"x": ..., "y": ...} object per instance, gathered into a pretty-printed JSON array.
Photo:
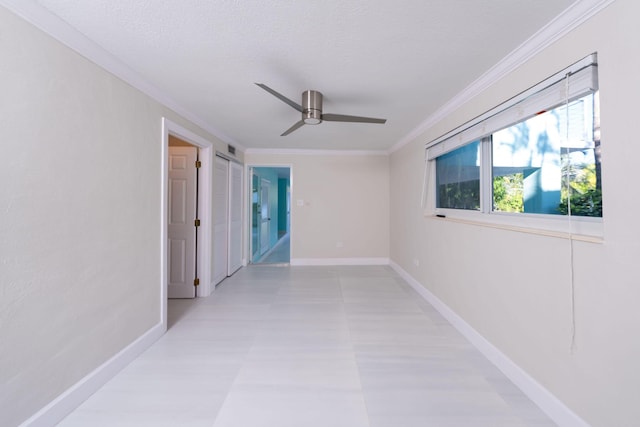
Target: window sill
[{"x": 470, "y": 218}]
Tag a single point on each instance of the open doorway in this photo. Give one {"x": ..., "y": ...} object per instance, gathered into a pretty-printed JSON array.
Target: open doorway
[
  {"x": 202, "y": 257},
  {"x": 270, "y": 214},
  {"x": 182, "y": 221}
]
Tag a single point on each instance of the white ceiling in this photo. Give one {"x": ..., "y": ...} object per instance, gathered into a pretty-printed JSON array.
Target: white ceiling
[{"x": 399, "y": 60}]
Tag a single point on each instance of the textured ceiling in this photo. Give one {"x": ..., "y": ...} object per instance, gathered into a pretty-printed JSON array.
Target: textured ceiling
[{"x": 398, "y": 60}]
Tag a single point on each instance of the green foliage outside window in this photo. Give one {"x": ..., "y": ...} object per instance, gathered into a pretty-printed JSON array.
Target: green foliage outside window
[
  {"x": 460, "y": 195},
  {"x": 508, "y": 193},
  {"x": 586, "y": 204},
  {"x": 586, "y": 197}
]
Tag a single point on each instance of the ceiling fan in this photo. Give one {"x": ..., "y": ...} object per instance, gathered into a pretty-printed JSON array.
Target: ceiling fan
[{"x": 311, "y": 110}]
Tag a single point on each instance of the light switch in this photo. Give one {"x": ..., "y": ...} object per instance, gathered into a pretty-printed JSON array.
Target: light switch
[{"x": 300, "y": 202}]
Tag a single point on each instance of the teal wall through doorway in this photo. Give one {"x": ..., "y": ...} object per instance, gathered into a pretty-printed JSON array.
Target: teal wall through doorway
[{"x": 279, "y": 185}]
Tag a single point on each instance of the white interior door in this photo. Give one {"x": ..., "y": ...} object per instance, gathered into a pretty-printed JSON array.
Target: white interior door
[
  {"x": 265, "y": 216},
  {"x": 181, "y": 227},
  {"x": 235, "y": 217},
  {"x": 221, "y": 219}
]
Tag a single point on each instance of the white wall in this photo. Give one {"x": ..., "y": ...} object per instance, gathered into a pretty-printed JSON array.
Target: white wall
[
  {"x": 514, "y": 288},
  {"x": 346, "y": 199},
  {"x": 80, "y": 217}
]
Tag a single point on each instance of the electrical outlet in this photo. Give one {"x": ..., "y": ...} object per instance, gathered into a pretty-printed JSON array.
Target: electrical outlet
[
  {"x": 339, "y": 244},
  {"x": 416, "y": 261}
]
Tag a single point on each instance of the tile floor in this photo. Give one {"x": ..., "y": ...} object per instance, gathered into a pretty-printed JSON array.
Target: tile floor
[{"x": 306, "y": 347}]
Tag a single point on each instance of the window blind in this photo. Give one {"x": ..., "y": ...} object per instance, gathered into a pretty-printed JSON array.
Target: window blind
[{"x": 571, "y": 83}]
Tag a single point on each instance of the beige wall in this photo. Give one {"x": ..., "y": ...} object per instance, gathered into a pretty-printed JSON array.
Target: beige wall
[
  {"x": 80, "y": 209},
  {"x": 346, "y": 199},
  {"x": 515, "y": 288}
]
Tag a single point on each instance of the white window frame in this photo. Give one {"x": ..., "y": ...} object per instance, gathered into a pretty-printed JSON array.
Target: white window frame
[{"x": 571, "y": 83}]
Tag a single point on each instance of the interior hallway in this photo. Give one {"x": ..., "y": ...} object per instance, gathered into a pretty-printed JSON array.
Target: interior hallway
[
  {"x": 279, "y": 254},
  {"x": 309, "y": 346}
]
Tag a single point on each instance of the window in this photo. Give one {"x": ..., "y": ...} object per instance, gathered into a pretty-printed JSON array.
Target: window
[
  {"x": 539, "y": 153},
  {"x": 538, "y": 162},
  {"x": 458, "y": 178}
]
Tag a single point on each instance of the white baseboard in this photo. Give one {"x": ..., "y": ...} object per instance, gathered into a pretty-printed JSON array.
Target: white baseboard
[
  {"x": 551, "y": 405},
  {"x": 339, "y": 261},
  {"x": 64, "y": 404}
]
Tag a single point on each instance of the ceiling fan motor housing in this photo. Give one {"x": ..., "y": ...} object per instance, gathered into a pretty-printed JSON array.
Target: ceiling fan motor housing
[
  {"x": 311, "y": 110},
  {"x": 311, "y": 107}
]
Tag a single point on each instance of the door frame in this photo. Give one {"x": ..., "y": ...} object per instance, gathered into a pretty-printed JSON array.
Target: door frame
[
  {"x": 204, "y": 210},
  {"x": 219, "y": 276},
  {"x": 248, "y": 169},
  {"x": 264, "y": 222},
  {"x": 231, "y": 269},
  {"x": 252, "y": 174}
]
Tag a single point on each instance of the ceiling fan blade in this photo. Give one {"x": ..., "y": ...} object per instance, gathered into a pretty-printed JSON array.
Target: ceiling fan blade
[
  {"x": 352, "y": 119},
  {"x": 281, "y": 97},
  {"x": 294, "y": 127}
]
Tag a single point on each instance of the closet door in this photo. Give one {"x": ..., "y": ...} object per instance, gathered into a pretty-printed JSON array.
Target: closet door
[
  {"x": 221, "y": 219},
  {"x": 235, "y": 218}
]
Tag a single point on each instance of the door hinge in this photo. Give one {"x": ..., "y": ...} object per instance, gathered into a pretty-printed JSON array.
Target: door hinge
[
  {"x": 197, "y": 223},
  {"x": 196, "y": 281},
  {"x": 198, "y": 164}
]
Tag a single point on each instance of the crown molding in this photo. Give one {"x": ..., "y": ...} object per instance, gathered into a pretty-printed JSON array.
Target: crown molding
[
  {"x": 303, "y": 152},
  {"x": 41, "y": 18},
  {"x": 572, "y": 17}
]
